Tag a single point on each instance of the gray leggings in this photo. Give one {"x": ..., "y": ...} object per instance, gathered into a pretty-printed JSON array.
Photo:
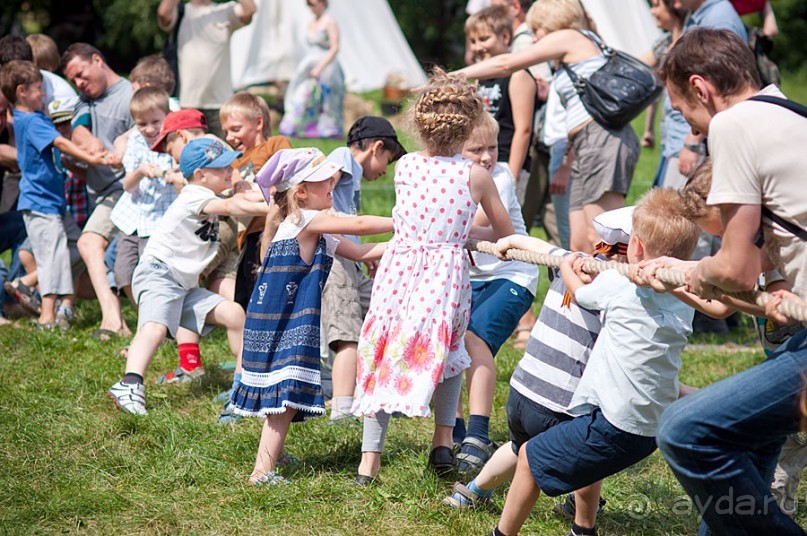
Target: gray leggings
[{"x": 445, "y": 397}]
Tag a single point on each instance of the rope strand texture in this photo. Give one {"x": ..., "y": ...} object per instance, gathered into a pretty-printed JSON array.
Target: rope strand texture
[{"x": 788, "y": 308}]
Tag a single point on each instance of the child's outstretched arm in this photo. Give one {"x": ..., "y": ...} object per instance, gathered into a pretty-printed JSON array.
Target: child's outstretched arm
[
  {"x": 484, "y": 189},
  {"x": 94, "y": 159},
  {"x": 360, "y": 252},
  {"x": 245, "y": 204},
  {"x": 528, "y": 243},
  {"x": 354, "y": 225}
]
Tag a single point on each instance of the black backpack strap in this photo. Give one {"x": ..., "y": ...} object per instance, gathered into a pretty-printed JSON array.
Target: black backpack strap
[
  {"x": 790, "y": 227},
  {"x": 793, "y": 106}
]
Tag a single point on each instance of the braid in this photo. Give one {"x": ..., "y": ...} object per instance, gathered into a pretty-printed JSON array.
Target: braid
[{"x": 446, "y": 112}]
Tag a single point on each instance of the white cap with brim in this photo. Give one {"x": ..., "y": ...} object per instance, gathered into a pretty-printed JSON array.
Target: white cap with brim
[
  {"x": 614, "y": 226},
  {"x": 289, "y": 167}
]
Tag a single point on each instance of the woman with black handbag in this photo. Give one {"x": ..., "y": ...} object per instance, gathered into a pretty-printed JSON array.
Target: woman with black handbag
[{"x": 602, "y": 143}]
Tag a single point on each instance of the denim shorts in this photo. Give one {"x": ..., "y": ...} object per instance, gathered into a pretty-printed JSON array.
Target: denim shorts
[
  {"x": 496, "y": 308},
  {"x": 526, "y": 419},
  {"x": 582, "y": 451}
]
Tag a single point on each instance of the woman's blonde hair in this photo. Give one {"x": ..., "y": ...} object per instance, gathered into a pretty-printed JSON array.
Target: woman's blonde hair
[
  {"x": 554, "y": 15},
  {"x": 445, "y": 112}
]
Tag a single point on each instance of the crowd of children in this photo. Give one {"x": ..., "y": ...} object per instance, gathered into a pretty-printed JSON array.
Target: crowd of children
[{"x": 260, "y": 238}]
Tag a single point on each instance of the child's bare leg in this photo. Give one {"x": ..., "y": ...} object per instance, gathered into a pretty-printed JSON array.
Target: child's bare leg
[
  {"x": 481, "y": 375},
  {"x": 224, "y": 287},
  {"x": 148, "y": 338},
  {"x": 344, "y": 369},
  {"x": 343, "y": 376},
  {"x": 29, "y": 264},
  {"x": 230, "y": 316},
  {"x": 273, "y": 435},
  {"x": 586, "y": 501},
  {"x": 47, "y": 312},
  {"x": 523, "y": 494},
  {"x": 499, "y": 468}
]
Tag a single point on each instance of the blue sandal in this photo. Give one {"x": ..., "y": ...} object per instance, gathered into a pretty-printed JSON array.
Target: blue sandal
[{"x": 271, "y": 479}]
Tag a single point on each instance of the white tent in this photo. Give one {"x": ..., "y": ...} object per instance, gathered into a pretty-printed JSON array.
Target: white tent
[
  {"x": 372, "y": 45},
  {"x": 626, "y": 25}
]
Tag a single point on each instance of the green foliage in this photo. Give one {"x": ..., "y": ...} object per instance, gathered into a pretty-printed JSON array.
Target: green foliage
[
  {"x": 130, "y": 27},
  {"x": 789, "y": 50},
  {"x": 434, "y": 29}
]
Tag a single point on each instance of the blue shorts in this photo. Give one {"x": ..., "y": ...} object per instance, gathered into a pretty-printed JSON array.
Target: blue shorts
[
  {"x": 496, "y": 308},
  {"x": 526, "y": 419},
  {"x": 582, "y": 451}
]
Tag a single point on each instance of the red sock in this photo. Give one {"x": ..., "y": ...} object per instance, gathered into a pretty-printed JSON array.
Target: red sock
[{"x": 189, "y": 356}]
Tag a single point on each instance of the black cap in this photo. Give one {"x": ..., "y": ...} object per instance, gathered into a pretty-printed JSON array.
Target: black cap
[{"x": 373, "y": 127}]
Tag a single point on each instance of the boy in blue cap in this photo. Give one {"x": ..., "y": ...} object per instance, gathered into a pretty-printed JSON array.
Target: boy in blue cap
[{"x": 165, "y": 282}]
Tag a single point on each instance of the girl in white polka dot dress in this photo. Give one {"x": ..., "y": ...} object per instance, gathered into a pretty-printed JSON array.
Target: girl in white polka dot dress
[{"x": 411, "y": 345}]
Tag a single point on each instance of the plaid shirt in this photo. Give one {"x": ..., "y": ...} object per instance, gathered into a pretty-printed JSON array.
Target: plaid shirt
[
  {"x": 140, "y": 210},
  {"x": 78, "y": 201},
  {"x": 75, "y": 189}
]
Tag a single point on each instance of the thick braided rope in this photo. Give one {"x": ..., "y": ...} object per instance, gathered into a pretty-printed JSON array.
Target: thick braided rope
[{"x": 788, "y": 308}]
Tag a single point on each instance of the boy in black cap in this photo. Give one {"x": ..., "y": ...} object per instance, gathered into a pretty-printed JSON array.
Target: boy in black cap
[{"x": 372, "y": 145}]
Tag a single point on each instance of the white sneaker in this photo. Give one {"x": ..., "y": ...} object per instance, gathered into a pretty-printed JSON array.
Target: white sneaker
[{"x": 129, "y": 398}]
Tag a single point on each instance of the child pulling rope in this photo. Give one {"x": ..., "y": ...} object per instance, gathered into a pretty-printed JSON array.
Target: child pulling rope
[{"x": 788, "y": 308}]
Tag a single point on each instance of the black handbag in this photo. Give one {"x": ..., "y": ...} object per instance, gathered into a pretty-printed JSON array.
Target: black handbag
[{"x": 618, "y": 91}]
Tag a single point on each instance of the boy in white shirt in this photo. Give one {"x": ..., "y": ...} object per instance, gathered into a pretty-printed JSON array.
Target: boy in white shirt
[
  {"x": 631, "y": 376},
  {"x": 502, "y": 293},
  {"x": 166, "y": 278}
]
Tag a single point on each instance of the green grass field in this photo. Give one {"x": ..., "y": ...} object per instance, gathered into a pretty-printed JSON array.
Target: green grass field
[{"x": 71, "y": 463}]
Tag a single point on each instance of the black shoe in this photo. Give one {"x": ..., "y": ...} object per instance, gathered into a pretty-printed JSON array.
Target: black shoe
[
  {"x": 441, "y": 461},
  {"x": 364, "y": 481}
]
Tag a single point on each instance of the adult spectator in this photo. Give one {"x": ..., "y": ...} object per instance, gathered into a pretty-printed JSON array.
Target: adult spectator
[
  {"x": 717, "y": 14},
  {"x": 203, "y": 49},
  {"x": 101, "y": 116},
  {"x": 722, "y": 442}
]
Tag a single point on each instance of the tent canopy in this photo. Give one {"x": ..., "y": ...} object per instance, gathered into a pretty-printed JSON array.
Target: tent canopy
[{"x": 372, "y": 46}]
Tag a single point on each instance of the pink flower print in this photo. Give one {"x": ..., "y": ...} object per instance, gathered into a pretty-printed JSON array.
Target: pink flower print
[
  {"x": 380, "y": 348},
  {"x": 437, "y": 373},
  {"x": 384, "y": 375},
  {"x": 403, "y": 384},
  {"x": 369, "y": 384},
  {"x": 444, "y": 334},
  {"x": 368, "y": 325},
  {"x": 418, "y": 353},
  {"x": 455, "y": 339}
]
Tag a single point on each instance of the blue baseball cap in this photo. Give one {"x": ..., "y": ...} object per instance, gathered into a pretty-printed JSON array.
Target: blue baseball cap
[{"x": 205, "y": 153}]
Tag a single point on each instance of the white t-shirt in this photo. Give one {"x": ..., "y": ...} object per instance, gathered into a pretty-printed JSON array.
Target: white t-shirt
[
  {"x": 759, "y": 157},
  {"x": 488, "y": 267},
  {"x": 203, "y": 51},
  {"x": 186, "y": 239},
  {"x": 632, "y": 374}
]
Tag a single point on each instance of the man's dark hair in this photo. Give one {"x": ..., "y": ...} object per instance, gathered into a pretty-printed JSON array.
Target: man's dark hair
[
  {"x": 14, "y": 47},
  {"x": 79, "y": 50},
  {"x": 719, "y": 56}
]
